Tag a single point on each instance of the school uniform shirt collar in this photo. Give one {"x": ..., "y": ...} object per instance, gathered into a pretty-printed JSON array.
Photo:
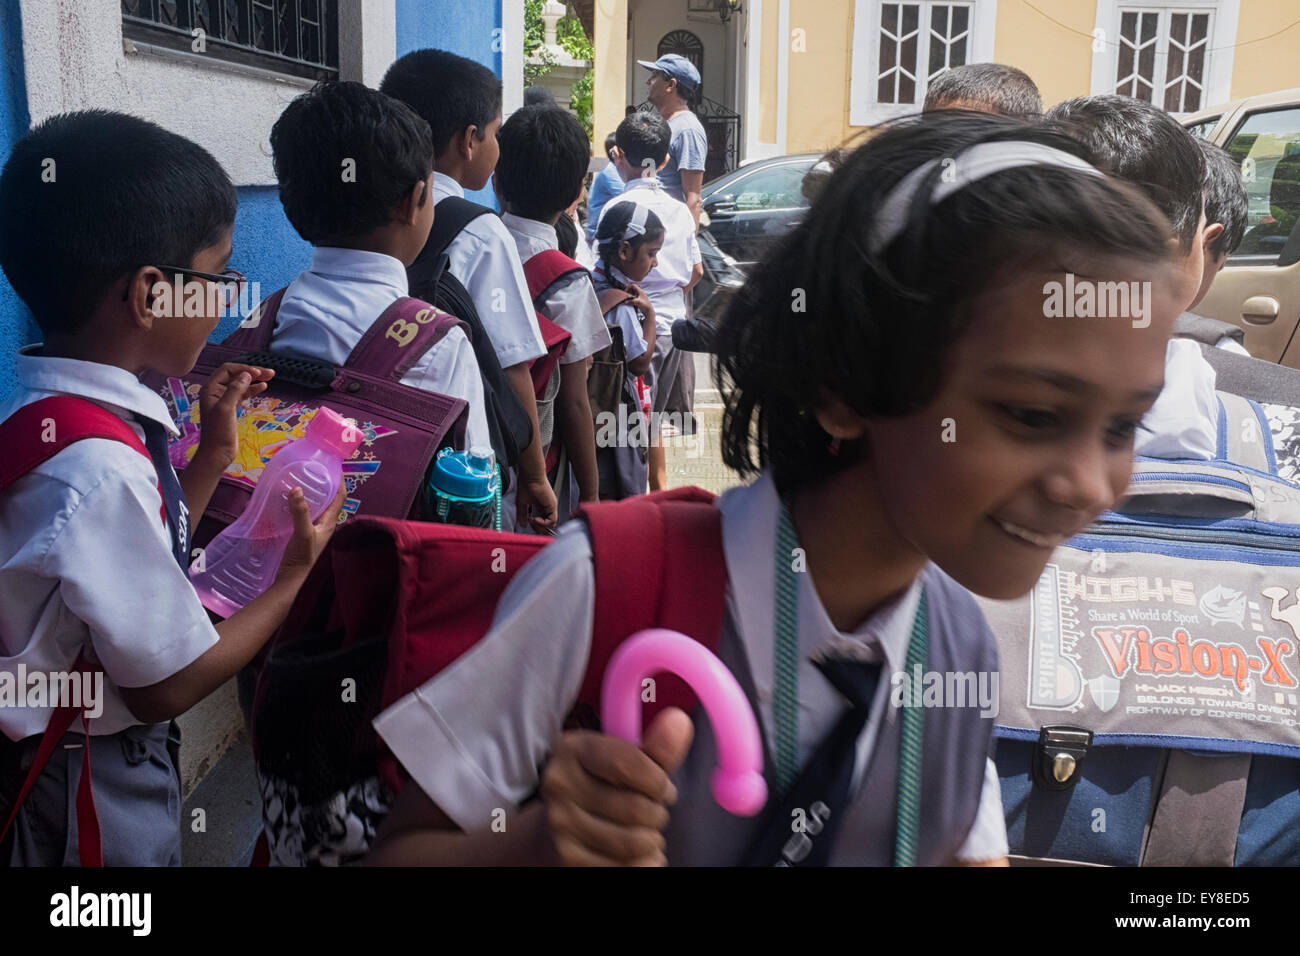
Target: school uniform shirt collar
[
  {"x": 644, "y": 182},
  {"x": 538, "y": 232},
  {"x": 444, "y": 186},
  {"x": 749, "y": 516},
  {"x": 359, "y": 265},
  {"x": 115, "y": 388}
]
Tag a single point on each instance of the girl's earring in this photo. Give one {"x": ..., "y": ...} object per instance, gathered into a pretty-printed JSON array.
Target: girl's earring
[{"x": 834, "y": 447}]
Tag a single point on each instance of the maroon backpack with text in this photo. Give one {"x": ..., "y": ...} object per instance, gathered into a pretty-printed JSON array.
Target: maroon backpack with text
[{"x": 404, "y": 426}]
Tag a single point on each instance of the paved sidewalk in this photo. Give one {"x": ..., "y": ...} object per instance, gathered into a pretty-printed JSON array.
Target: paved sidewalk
[{"x": 697, "y": 459}]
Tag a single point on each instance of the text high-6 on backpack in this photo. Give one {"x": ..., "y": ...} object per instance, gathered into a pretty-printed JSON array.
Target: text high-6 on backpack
[
  {"x": 1150, "y": 683},
  {"x": 392, "y": 603},
  {"x": 404, "y": 427}
]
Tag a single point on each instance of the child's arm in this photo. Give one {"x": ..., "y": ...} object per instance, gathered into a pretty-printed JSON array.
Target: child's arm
[
  {"x": 218, "y": 439},
  {"x": 604, "y": 802},
  {"x": 244, "y": 632},
  {"x": 696, "y": 275},
  {"x": 533, "y": 488},
  {"x": 577, "y": 427}
]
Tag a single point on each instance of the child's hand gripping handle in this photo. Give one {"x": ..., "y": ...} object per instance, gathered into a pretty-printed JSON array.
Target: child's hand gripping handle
[{"x": 738, "y": 784}]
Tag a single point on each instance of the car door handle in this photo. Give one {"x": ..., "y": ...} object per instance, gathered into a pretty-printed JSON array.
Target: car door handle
[{"x": 1260, "y": 310}]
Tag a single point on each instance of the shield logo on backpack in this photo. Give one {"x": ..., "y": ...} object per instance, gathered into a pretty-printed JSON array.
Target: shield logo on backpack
[{"x": 1105, "y": 691}]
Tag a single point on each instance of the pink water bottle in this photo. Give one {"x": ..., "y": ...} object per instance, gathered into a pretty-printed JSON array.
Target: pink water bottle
[{"x": 241, "y": 562}]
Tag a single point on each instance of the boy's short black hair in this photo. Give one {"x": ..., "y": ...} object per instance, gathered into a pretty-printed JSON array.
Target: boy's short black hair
[
  {"x": 87, "y": 198},
  {"x": 543, "y": 161},
  {"x": 1143, "y": 144},
  {"x": 345, "y": 156},
  {"x": 993, "y": 87},
  {"x": 1225, "y": 197},
  {"x": 450, "y": 92},
  {"x": 878, "y": 327},
  {"x": 644, "y": 136}
]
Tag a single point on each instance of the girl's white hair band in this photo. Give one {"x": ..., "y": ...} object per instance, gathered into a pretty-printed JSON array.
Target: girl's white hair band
[
  {"x": 636, "y": 225},
  {"x": 962, "y": 170}
]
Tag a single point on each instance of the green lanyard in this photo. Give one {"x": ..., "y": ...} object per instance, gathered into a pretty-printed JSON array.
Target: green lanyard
[{"x": 785, "y": 702}]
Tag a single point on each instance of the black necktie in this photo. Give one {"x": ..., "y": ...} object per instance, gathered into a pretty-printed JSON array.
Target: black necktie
[
  {"x": 178, "y": 513},
  {"x": 821, "y": 791}
]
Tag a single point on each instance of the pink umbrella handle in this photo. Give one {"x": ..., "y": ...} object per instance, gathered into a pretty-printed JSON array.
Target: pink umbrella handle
[{"x": 738, "y": 783}]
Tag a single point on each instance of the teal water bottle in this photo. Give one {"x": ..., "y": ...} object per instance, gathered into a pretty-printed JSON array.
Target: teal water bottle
[{"x": 464, "y": 488}]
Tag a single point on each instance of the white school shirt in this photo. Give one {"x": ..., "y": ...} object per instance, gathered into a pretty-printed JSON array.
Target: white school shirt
[
  {"x": 85, "y": 558},
  {"x": 627, "y": 318},
  {"x": 472, "y": 751},
  {"x": 328, "y": 308},
  {"x": 678, "y": 257},
  {"x": 571, "y": 303},
  {"x": 483, "y": 258}
]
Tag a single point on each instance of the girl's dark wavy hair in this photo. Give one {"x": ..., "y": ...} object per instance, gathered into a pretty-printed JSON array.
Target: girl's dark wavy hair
[{"x": 876, "y": 331}]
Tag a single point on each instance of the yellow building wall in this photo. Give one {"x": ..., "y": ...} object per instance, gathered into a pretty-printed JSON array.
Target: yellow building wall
[
  {"x": 1267, "y": 56},
  {"x": 768, "y": 69},
  {"x": 820, "y": 44},
  {"x": 1053, "y": 46}
]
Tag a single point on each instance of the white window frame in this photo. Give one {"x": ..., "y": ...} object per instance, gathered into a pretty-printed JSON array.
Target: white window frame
[
  {"x": 863, "y": 108},
  {"x": 1218, "y": 58}
]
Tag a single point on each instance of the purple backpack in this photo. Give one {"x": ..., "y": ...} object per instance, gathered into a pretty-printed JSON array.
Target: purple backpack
[{"x": 404, "y": 427}]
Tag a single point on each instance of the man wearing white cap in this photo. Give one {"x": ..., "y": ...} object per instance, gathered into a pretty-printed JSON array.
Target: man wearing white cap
[{"x": 672, "y": 87}]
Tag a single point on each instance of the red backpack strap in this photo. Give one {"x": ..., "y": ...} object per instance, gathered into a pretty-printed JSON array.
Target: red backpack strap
[
  {"x": 89, "y": 846},
  {"x": 658, "y": 562},
  {"x": 399, "y": 337},
  {"x": 23, "y": 435},
  {"x": 254, "y": 333},
  {"x": 547, "y": 268}
]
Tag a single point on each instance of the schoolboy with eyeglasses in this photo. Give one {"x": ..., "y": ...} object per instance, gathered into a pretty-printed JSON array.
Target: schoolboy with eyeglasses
[{"x": 94, "y": 532}]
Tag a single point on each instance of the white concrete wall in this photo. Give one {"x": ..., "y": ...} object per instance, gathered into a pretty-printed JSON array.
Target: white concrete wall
[{"x": 75, "y": 58}]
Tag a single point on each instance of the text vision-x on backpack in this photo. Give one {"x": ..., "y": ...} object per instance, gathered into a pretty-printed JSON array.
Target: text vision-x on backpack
[
  {"x": 404, "y": 426},
  {"x": 1150, "y": 710}
]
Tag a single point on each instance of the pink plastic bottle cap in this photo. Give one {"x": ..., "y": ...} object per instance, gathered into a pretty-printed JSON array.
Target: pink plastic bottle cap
[{"x": 335, "y": 432}]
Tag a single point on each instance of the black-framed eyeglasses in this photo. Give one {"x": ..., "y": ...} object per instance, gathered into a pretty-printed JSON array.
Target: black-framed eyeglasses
[{"x": 232, "y": 282}]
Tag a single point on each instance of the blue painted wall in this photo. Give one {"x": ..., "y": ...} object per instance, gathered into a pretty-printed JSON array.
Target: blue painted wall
[
  {"x": 267, "y": 250},
  {"x": 470, "y": 28},
  {"x": 16, "y": 328}
]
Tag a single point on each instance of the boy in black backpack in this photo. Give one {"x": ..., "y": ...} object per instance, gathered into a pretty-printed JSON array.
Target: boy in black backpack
[
  {"x": 355, "y": 171},
  {"x": 544, "y": 156},
  {"x": 461, "y": 101}
]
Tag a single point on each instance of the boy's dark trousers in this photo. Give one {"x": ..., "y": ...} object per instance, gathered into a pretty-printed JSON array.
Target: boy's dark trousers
[{"x": 137, "y": 786}]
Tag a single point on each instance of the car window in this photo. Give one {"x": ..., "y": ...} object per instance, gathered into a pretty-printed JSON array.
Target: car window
[
  {"x": 773, "y": 187},
  {"x": 1267, "y": 145},
  {"x": 1203, "y": 128}
]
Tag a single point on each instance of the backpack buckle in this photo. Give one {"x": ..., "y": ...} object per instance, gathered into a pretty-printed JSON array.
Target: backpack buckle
[{"x": 1059, "y": 755}]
